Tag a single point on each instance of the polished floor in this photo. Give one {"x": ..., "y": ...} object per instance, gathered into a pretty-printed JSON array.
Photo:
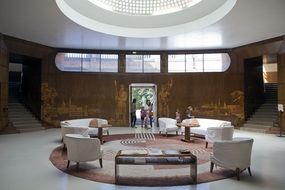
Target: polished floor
[{"x": 25, "y": 165}]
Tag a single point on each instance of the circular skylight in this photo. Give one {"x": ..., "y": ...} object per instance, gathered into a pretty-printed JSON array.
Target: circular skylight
[
  {"x": 144, "y": 7},
  {"x": 145, "y": 18}
]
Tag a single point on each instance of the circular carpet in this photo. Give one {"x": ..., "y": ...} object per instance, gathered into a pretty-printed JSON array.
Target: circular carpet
[{"x": 142, "y": 175}]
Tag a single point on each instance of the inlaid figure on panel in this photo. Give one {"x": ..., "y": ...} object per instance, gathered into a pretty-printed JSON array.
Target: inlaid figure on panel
[
  {"x": 48, "y": 110},
  {"x": 121, "y": 101},
  {"x": 164, "y": 97}
]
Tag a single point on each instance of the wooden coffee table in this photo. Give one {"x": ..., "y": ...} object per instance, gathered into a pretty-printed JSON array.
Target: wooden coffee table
[
  {"x": 187, "y": 133},
  {"x": 166, "y": 157}
]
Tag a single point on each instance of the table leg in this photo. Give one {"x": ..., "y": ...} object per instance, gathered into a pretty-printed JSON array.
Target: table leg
[
  {"x": 100, "y": 134},
  {"x": 187, "y": 136},
  {"x": 116, "y": 172},
  {"x": 193, "y": 172}
]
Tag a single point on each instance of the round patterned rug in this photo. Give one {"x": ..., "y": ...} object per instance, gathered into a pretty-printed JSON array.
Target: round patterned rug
[{"x": 143, "y": 175}]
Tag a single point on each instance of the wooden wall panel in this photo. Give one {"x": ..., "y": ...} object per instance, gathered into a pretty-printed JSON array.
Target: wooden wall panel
[
  {"x": 271, "y": 77},
  {"x": 271, "y": 46},
  {"x": 281, "y": 82},
  {"x": 23, "y": 47},
  {"x": 3, "y": 84},
  {"x": 67, "y": 95}
]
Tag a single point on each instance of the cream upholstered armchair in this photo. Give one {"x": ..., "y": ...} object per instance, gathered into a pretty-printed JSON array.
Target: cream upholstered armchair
[
  {"x": 167, "y": 125},
  {"x": 83, "y": 149},
  {"x": 67, "y": 129},
  {"x": 235, "y": 155},
  {"x": 224, "y": 132}
]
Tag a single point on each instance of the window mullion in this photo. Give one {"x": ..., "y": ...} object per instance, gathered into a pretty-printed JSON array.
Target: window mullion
[{"x": 143, "y": 63}]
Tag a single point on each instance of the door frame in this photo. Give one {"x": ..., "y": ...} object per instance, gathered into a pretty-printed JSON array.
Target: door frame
[{"x": 143, "y": 85}]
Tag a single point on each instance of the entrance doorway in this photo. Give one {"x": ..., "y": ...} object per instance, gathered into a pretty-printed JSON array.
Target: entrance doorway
[
  {"x": 143, "y": 92},
  {"x": 15, "y": 81},
  {"x": 253, "y": 85},
  {"x": 25, "y": 82}
]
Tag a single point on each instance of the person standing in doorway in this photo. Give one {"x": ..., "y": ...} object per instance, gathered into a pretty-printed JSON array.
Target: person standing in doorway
[
  {"x": 150, "y": 113},
  {"x": 133, "y": 113},
  {"x": 148, "y": 110},
  {"x": 143, "y": 115}
]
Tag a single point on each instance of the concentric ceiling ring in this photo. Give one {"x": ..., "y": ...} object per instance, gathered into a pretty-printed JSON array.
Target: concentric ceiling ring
[{"x": 91, "y": 16}]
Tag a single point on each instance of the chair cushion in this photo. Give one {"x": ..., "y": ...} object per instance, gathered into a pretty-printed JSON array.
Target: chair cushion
[
  {"x": 171, "y": 128},
  {"x": 65, "y": 124},
  {"x": 93, "y": 123},
  {"x": 224, "y": 124},
  {"x": 194, "y": 122}
]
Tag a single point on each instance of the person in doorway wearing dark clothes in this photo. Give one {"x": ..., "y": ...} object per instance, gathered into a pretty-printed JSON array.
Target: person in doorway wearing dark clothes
[
  {"x": 143, "y": 115},
  {"x": 150, "y": 115},
  {"x": 133, "y": 113}
]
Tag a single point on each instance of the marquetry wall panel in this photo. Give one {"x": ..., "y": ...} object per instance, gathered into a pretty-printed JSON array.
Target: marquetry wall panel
[
  {"x": 69, "y": 95},
  {"x": 253, "y": 51},
  {"x": 281, "y": 82},
  {"x": 3, "y": 85}
]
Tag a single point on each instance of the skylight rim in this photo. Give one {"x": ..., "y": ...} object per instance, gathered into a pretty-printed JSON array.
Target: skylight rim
[{"x": 149, "y": 8}]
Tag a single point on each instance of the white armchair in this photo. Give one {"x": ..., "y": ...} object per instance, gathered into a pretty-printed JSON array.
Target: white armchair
[
  {"x": 235, "y": 155},
  {"x": 67, "y": 129},
  {"x": 83, "y": 149},
  {"x": 219, "y": 133},
  {"x": 167, "y": 125}
]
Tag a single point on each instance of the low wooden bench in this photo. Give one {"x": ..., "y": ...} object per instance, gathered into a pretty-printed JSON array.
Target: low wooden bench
[{"x": 167, "y": 157}]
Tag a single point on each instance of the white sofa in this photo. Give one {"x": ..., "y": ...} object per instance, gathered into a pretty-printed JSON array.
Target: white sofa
[
  {"x": 204, "y": 124},
  {"x": 167, "y": 125},
  {"x": 81, "y": 126}
]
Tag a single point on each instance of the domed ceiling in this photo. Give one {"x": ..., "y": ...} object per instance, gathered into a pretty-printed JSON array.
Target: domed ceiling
[
  {"x": 205, "y": 24},
  {"x": 145, "y": 18}
]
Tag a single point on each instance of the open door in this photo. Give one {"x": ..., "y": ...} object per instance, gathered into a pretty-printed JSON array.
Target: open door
[{"x": 143, "y": 92}]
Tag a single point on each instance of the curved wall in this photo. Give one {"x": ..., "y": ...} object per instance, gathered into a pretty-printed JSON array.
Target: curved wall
[{"x": 76, "y": 95}]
